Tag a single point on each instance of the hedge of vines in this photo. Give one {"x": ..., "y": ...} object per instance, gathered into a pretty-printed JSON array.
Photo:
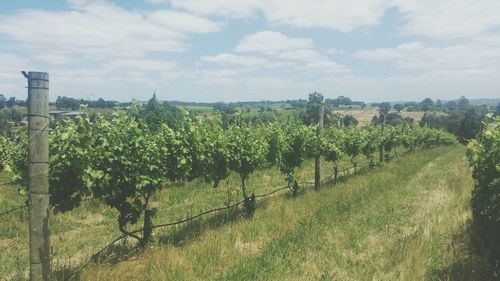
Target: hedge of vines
[
  {"x": 123, "y": 162},
  {"x": 484, "y": 158}
]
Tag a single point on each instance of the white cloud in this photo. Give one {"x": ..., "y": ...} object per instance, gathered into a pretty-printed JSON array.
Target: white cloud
[
  {"x": 231, "y": 8},
  {"x": 11, "y": 66},
  {"x": 226, "y": 58},
  {"x": 271, "y": 42},
  {"x": 101, "y": 29},
  {"x": 184, "y": 22},
  {"x": 141, "y": 64},
  {"x": 465, "y": 58},
  {"x": 441, "y": 19},
  {"x": 336, "y": 14},
  {"x": 156, "y": 2},
  {"x": 381, "y": 54},
  {"x": 302, "y": 55},
  {"x": 449, "y": 18},
  {"x": 329, "y": 67}
]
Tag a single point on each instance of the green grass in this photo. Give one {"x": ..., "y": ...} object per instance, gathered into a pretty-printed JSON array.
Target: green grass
[
  {"x": 78, "y": 234},
  {"x": 199, "y": 108},
  {"x": 404, "y": 221}
]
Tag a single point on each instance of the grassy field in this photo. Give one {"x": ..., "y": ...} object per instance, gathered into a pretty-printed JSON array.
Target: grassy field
[
  {"x": 78, "y": 234},
  {"x": 405, "y": 221}
]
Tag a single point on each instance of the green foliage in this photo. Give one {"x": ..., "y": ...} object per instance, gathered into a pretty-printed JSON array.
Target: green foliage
[
  {"x": 463, "y": 124},
  {"x": 123, "y": 161},
  {"x": 374, "y": 139},
  {"x": 6, "y": 147},
  {"x": 333, "y": 148},
  {"x": 354, "y": 142},
  {"x": 398, "y": 107},
  {"x": 209, "y": 148},
  {"x": 155, "y": 114},
  {"x": 384, "y": 108},
  {"x": 247, "y": 150},
  {"x": 71, "y": 147},
  {"x": 295, "y": 140},
  {"x": 350, "y": 120},
  {"x": 484, "y": 158},
  {"x": 426, "y": 104},
  {"x": 311, "y": 115},
  {"x": 129, "y": 164}
]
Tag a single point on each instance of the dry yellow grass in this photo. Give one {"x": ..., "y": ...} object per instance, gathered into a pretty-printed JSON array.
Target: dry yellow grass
[{"x": 364, "y": 116}]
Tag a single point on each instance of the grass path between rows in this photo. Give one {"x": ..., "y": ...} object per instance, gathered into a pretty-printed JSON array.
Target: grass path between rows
[{"x": 399, "y": 222}]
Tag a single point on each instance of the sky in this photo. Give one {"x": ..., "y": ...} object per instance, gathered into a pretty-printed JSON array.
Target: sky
[{"x": 251, "y": 50}]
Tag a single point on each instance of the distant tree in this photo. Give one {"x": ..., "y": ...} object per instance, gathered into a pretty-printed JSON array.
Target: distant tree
[
  {"x": 452, "y": 122},
  {"x": 11, "y": 102},
  {"x": 439, "y": 105},
  {"x": 399, "y": 107},
  {"x": 384, "y": 108},
  {"x": 409, "y": 120},
  {"x": 463, "y": 103},
  {"x": 432, "y": 120},
  {"x": 411, "y": 103},
  {"x": 350, "y": 120},
  {"x": 426, "y": 104},
  {"x": 2, "y": 101},
  {"x": 224, "y": 108},
  {"x": 344, "y": 100},
  {"x": 15, "y": 115},
  {"x": 470, "y": 125},
  {"x": 155, "y": 114},
  {"x": 300, "y": 103},
  {"x": 391, "y": 119},
  {"x": 451, "y": 105},
  {"x": 311, "y": 115},
  {"x": 101, "y": 103},
  {"x": 497, "y": 110}
]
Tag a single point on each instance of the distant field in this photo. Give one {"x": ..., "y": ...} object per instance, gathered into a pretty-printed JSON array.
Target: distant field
[
  {"x": 200, "y": 108},
  {"x": 364, "y": 116}
]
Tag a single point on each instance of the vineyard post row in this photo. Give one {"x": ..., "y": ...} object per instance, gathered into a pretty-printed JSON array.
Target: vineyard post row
[{"x": 87, "y": 157}]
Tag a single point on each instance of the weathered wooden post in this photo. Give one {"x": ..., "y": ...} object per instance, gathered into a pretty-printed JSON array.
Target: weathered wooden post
[
  {"x": 317, "y": 163},
  {"x": 382, "y": 147},
  {"x": 38, "y": 172}
]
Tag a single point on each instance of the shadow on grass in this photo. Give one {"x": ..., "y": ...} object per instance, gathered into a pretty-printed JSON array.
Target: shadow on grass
[
  {"x": 179, "y": 235},
  {"x": 176, "y": 236},
  {"x": 348, "y": 174},
  {"x": 467, "y": 264}
]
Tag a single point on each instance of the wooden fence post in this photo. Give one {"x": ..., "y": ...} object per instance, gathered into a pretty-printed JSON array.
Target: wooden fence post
[
  {"x": 38, "y": 172},
  {"x": 317, "y": 162},
  {"x": 382, "y": 147}
]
